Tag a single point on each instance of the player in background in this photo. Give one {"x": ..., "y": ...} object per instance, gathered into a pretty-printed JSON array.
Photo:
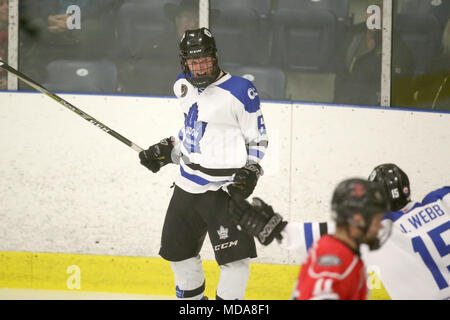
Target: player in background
[
  {"x": 414, "y": 262},
  {"x": 333, "y": 268},
  {"x": 218, "y": 150}
]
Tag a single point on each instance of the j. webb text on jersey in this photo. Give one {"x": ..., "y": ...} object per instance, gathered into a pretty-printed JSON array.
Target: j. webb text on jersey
[
  {"x": 422, "y": 218},
  {"x": 226, "y": 309}
]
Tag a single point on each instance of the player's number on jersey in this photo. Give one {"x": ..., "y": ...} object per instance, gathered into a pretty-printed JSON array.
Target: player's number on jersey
[
  {"x": 442, "y": 248},
  {"x": 323, "y": 289}
]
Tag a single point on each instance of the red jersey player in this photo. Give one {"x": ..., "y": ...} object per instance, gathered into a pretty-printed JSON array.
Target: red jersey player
[{"x": 333, "y": 269}]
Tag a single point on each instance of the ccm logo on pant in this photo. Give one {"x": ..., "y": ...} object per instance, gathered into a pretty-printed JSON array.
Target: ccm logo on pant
[{"x": 225, "y": 245}]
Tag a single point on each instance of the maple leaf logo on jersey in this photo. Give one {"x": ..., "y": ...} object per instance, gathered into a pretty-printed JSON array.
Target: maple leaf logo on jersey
[{"x": 194, "y": 130}]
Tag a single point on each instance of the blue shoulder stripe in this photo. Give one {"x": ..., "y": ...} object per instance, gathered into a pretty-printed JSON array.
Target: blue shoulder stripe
[
  {"x": 393, "y": 215},
  {"x": 429, "y": 198},
  {"x": 244, "y": 91},
  {"x": 180, "y": 76},
  {"x": 435, "y": 195}
]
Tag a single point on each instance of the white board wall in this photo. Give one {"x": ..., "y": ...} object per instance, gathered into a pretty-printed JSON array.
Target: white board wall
[{"x": 68, "y": 187}]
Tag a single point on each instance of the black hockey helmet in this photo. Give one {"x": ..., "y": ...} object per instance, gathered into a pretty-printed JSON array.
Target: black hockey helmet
[
  {"x": 395, "y": 182},
  {"x": 194, "y": 44},
  {"x": 357, "y": 195}
]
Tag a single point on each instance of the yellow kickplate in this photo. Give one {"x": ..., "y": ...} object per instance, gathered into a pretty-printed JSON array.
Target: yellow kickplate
[{"x": 134, "y": 275}]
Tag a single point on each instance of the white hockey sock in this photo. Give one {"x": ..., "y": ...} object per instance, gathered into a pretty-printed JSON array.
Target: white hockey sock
[
  {"x": 233, "y": 280},
  {"x": 189, "y": 278}
]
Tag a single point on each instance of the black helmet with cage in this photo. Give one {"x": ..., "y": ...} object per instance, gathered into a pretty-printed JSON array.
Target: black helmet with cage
[
  {"x": 359, "y": 196},
  {"x": 395, "y": 182},
  {"x": 194, "y": 44}
]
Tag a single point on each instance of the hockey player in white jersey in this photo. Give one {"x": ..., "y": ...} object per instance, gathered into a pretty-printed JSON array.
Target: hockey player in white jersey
[
  {"x": 414, "y": 260},
  {"x": 218, "y": 150}
]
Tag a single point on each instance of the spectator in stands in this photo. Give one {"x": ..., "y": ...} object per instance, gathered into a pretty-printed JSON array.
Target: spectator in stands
[
  {"x": 438, "y": 8},
  {"x": 161, "y": 50},
  {"x": 358, "y": 76},
  {"x": 46, "y": 34},
  {"x": 433, "y": 88},
  {"x": 3, "y": 40},
  {"x": 184, "y": 15},
  {"x": 441, "y": 10}
]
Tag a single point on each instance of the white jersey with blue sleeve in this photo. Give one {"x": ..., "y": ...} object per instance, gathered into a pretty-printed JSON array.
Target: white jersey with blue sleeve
[
  {"x": 414, "y": 262},
  {"x": 299, "y": 237},
  {"x": 223, "y": 130}
]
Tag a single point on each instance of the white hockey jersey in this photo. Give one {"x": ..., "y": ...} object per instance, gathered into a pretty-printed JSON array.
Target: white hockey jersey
[
  {"x": 223, "y": 130},
  {"x": 414, "y": 263}
]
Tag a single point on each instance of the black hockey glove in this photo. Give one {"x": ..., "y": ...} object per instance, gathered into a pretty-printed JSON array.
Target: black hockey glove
[
  {"x": 245, "y": 180},
  {"x": 158, "y": 155},
  {"x": 257, "y": 219}
]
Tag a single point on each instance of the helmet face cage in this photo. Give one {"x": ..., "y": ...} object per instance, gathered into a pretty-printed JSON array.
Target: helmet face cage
[
  {"x": 395, "y": 182},
  {"x": 195, "y": 44}
]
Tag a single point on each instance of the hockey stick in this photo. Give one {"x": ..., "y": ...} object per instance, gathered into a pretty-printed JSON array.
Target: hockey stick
[{"x": 69, "y": 106}]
